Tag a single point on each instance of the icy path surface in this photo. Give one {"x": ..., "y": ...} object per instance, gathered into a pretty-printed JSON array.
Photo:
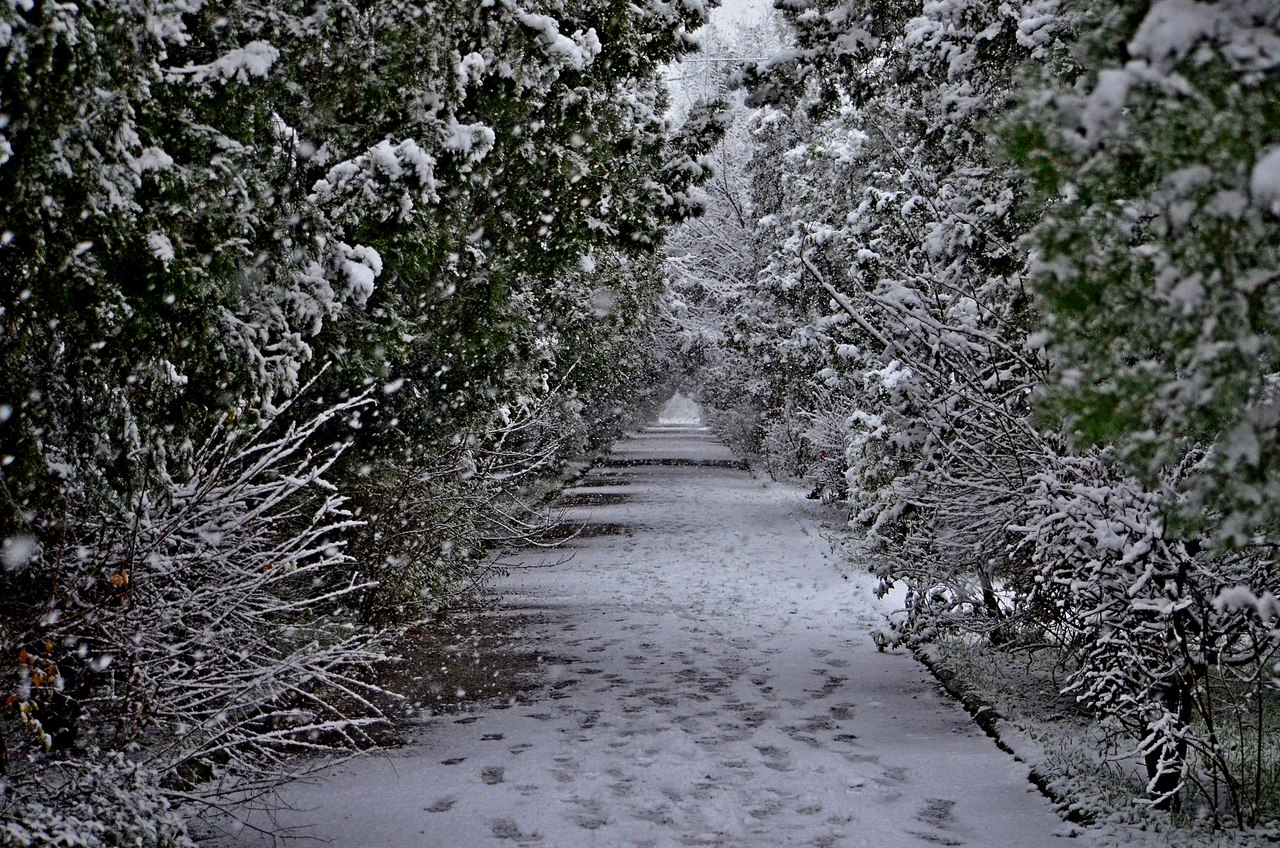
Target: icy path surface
[{"x": 714, "y": 684}]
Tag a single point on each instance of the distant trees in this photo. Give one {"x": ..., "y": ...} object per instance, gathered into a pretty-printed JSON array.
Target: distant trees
[
  {"x": 711, "y": 260},
  {"x": 297, "y": 300},
  {"x": 1012, "y": 275}
]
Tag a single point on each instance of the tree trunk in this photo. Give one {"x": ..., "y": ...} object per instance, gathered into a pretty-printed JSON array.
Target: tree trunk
[{"x": 1164, "y": 783}]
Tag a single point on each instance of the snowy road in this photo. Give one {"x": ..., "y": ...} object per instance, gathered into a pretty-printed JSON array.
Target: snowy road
[{"x": 715, "y": 685}]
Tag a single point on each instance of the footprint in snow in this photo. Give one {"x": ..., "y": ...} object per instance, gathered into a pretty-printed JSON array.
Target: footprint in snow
[
  {"x": 767, "y": 810},
  {"x": 775, "y": 758},
  {"x": 934, "y": 839},
  {"x": 938, "y": 812},
  {"x": 590, "y": 822},
  {"x": 508, "y": 829},
  {"x": 657, "y": 815},
  {"x": 811, "y": 741},
  {"x": 563, "y": 775},
  {"x": 858, "y": 759},
  {"x": 892, "y": 776},
  {"x": 828, "y": 840},
  {"x": 591, "y": 815},
  {"x": 441, "y": 805},
  {"x": 492, "y": 775},
  {"x": 812, "y": 724},
  {"x": 829, "y": 686}
]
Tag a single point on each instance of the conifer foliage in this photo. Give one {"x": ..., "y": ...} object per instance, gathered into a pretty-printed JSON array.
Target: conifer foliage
[{"x": 298, "y": 299}]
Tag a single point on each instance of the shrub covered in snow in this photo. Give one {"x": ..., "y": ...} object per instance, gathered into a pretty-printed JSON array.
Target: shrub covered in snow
[
  {"x": 438, "y": 216},
  {"x": 109, "y": 801},
  {"x": 1014, "y": 265}
]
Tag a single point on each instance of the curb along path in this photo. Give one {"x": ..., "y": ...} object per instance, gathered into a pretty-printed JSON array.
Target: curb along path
[{"x": 711, "y": 681}]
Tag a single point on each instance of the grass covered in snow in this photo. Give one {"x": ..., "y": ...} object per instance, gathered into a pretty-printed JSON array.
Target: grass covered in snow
[{"x": 1088, "y": 771}]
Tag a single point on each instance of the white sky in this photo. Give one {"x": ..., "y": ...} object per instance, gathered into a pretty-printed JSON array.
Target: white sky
[
  {"x": 731, "y": 15},
  {"x": 742, "y": 11}
]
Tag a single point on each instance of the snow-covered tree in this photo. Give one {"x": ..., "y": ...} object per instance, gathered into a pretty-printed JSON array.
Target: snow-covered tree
[
  {"x": 712, "y": 259},
  {"x": 1153, "y": 259},
  {"x": 973, "y": 217},
  {"x": 438, "y": 216},
  {"x": 1156, "y": 257}
]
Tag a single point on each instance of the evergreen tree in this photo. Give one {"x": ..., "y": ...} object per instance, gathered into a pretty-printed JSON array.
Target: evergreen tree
[{"x": 299, "y": 300}]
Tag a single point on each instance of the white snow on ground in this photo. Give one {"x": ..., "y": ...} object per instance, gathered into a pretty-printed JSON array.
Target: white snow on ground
[{"x": 715, "y": 685}]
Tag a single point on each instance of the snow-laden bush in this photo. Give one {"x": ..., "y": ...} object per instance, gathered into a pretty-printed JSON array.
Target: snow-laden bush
[
  {"x": 435, "y": 522},
  {"x": 826, "y": 440},
  {"x": 206, "y": 635},
  {"x": 105, "y": 802},
  {"x": 1169, "y": 648}
]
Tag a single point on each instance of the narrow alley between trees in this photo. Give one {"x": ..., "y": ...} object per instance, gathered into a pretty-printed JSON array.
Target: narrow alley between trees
[{"x": 709, "y": 678}]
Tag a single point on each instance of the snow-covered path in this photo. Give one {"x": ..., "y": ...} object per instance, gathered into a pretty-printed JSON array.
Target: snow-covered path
[{"x": 714, "y": 684}]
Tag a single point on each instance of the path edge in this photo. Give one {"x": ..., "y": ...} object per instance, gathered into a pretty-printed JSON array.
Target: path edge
[{"x": 990, "y": 720}]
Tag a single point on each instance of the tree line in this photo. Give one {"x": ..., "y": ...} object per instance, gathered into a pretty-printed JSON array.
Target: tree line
[
  {"x": 301, "y": 302},
  {"x": 1004, "y": 283}
]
